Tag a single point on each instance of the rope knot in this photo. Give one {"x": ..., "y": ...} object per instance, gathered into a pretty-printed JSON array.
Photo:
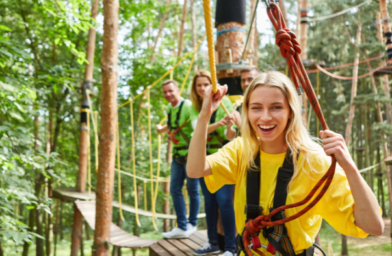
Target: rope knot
[{"x": 288, "y": 45}]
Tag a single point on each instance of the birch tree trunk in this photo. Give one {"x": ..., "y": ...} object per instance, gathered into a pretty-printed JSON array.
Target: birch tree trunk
[
  {"x": 160, "y": 30},
  {"x": 107, "y": 134},
  {"x": 194, "y": 34},
  {"x": 182, "y": 28},
  {"x": 353, "y": 88},
  {"x": 304, "y": 5}
]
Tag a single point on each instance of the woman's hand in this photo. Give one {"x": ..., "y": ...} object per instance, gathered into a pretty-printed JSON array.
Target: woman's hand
[
  {"x": 212, "y": 100},
  {"x": 224, "y": 121},
  {"x": 334, "y": 144}
]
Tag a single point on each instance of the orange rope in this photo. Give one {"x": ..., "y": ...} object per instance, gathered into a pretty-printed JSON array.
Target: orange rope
[
  {"x": 350, "y": 78},
  {"x": 290, "y": 49},
  {"x": 345, "y": 65}
]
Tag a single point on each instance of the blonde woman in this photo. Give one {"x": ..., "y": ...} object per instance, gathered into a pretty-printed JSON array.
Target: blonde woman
[
  {"x": 273, "y": 132},
  {"x": 220, "y": 131}
]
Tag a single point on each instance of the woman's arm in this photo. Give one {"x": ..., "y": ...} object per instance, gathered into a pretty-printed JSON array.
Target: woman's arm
[
  {"x": 197, "y": 148},
  {"x": 212, "y": 127},
  {"x": 230, "y": 132},
  {"x": 366, "y": 209}
]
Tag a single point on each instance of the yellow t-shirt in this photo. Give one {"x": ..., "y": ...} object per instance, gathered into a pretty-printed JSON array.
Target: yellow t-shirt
[{"x": 336, "y": 206}]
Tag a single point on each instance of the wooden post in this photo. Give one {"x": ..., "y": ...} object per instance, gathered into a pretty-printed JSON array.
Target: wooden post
[
  {"x": 298, "y": 22},
  {"x": 182, "y": 29},
  {"x": 160, "y": 29},
  {"x": 107, "y": 134},
  {"x": 387, "y": 29},
  {"x": 304, "y": 5},
  {"x": 166, "y": 206},
  {"x": 194, "y": 34},
  {"x": 84, "y": 134}
]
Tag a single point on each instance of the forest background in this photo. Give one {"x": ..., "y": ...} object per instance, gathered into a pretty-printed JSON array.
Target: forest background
[{"x": 42, "y": 62}]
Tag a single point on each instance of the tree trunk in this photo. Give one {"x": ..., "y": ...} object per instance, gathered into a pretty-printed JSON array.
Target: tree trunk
[
  {"x": 194, "y": 34},
  {"x": 303, "y": 39},
  {"x": 387, "y": 28},
  {"x": 61, "y": 222},
  {"x": 352, "y": 111},
  {"x": 84, "y": 133},
  {"x": 108, "y": 127},
  {"x": 230, "y": 45},
  {"x": 182, "y": 29},
  {"x": 56, "y": 227},
  {"x": 298, "y": 22},
  {"x": 160, "y": 30},
  {"x": 353, "y": 88},
  {"x": 31, "y": 228}
]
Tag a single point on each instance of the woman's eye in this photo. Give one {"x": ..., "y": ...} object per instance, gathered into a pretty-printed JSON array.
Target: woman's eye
[
  {"x": 277, "y": 107},
  {"x": 256, "y": 108}
]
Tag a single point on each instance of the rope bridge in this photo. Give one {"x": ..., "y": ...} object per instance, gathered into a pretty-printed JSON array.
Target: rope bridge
[{"x": 93, "y": 115}]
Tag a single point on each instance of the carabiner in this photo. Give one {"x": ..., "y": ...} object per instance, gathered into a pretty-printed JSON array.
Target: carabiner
[{"x": 267, "y": 2}]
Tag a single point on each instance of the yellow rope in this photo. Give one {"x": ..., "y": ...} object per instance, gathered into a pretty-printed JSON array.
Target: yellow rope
[
  {"x": 145, "y": 196},
  {"x": 141, "y": 178},
  {"x": 134, "y": 164},
  {"x": 158, "y": 166},
  {"x": 318, "y": 85},
  {"x": 171, "y": 73},
  {"x": 151, "y": 166},
  {"x": 88, "y": 154},
  {"x": 119, "y": 174},
  {"x": 96, "y": 141},
  {"x": 211, "y": 53}
]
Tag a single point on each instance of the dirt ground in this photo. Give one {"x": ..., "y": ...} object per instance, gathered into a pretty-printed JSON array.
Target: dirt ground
[{"x": 372, "y": 245}]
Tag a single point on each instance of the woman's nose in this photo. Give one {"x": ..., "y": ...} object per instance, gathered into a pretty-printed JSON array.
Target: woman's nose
[{"x": 265, "y": 115}]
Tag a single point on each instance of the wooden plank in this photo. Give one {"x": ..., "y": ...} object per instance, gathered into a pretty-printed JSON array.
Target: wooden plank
[
  {"x": 188, "y": 242},
  {"x": 157, "y": 250},
  {"x": 197, "y": 240},
  {"x": 170, "y": 248},
  {"x": 118, "y": 237},
  {"x": 202, "y": 237},
  {"x": 180, "y": 246}
]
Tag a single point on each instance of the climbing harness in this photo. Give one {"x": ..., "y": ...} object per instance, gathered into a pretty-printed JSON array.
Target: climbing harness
[
  {"x": 215, "y": 134},
  {"x": 279, "y": 242},
  {"x": 177, "y": 129},
  {"x": 290, "y": 49}
]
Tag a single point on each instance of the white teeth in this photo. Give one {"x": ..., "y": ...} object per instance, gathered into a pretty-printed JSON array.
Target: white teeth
[{"x": 266, "y": 126}]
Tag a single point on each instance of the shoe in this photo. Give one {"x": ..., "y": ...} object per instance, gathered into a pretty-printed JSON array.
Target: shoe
[
  {"x": 190, "y": 229},
  {"x": 208, "y": 249},
  {"x": 228, "y": 253},
  {"x": 176, "y": 233}
]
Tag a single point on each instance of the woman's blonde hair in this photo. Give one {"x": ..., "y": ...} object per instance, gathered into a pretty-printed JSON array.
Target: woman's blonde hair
[
  {"x": 297, "y": 136},
  {"x": 195, "y": 98}
]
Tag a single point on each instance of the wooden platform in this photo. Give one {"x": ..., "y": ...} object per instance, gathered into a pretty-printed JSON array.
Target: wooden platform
[
  {"x": 118, "y": 237},
  {"x": 70, "y": 195},
  {"x": 178, "y": 247}
]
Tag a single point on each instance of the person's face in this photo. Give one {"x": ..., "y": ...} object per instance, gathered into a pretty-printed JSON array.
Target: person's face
[
  {"x": 202, "y": 83},
  {"x": 170, "y": 92},
  {"x": 268, "y": 115},
  {"x": 247, "y": 78}
]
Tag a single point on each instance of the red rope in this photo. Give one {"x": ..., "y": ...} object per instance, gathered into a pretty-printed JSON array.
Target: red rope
[{"x": 290, "y": 49}]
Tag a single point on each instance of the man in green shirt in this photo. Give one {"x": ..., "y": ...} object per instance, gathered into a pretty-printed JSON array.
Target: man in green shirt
[{"x": 180, "y": 130}]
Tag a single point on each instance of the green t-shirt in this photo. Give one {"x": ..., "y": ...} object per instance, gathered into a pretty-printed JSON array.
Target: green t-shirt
[
  {"x": 220, "y": 131},
  {"x": 187, "y": 130}
]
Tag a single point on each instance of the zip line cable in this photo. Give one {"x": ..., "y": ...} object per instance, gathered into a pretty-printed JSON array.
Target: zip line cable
[{"x": 338, "y": 13}]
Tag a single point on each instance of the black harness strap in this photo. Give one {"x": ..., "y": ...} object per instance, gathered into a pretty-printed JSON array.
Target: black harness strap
[
  {"x": 177, "y": 117},
  {"x": 253, "y": 208},
  {"x": 277, "y": 235}
]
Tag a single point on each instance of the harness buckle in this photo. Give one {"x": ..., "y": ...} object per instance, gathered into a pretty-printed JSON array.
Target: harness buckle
[{"x": 254, "y": 209}]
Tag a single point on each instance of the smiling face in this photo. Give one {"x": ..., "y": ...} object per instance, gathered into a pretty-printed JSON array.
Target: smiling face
[
  {"x": 268, "y": 115},
  {"x": 202, "y": 83},
  {"x": 171, "y": 93}
]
